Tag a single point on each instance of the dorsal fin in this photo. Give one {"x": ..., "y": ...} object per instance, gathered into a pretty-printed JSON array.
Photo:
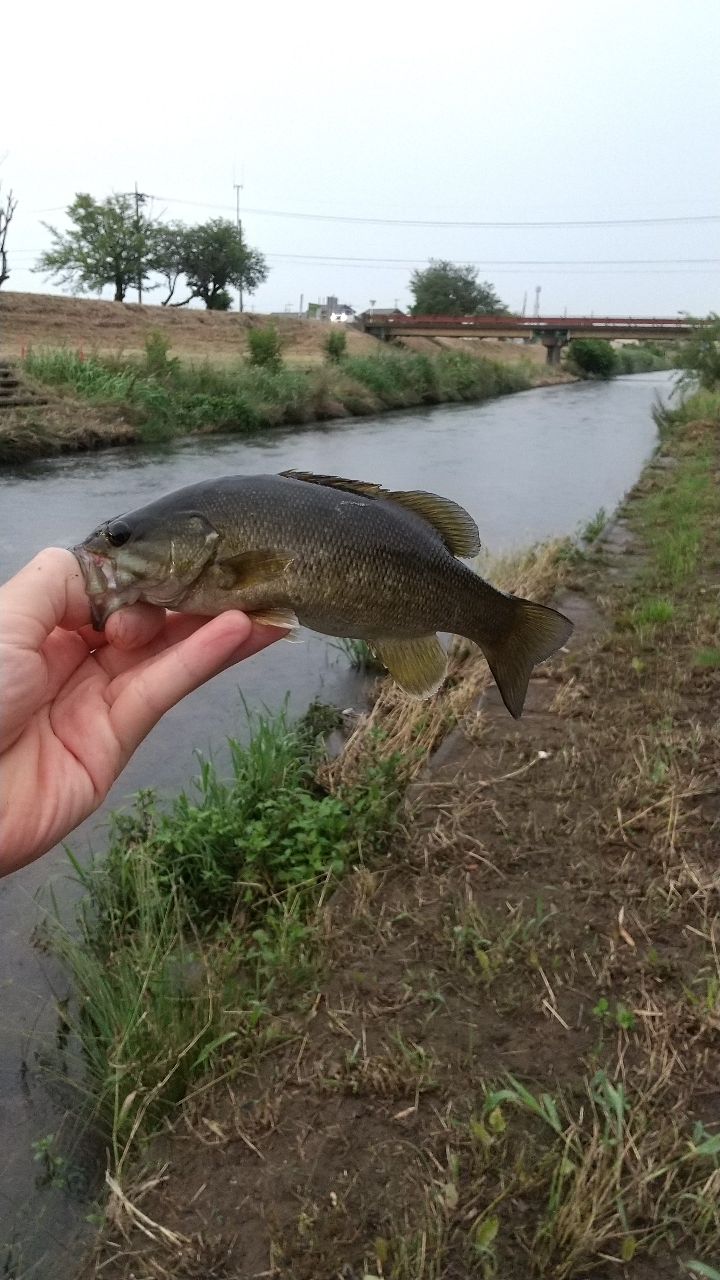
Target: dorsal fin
[{"x": 456, "y": 528}]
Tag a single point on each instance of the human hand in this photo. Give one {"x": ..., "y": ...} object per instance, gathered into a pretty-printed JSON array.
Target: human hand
[{"x": 77, "y": 703}]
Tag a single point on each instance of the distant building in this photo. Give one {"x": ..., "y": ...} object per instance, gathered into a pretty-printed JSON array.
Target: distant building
[
  {"x": 331, "y": 309},
  {"x": 380, "y": 313}
]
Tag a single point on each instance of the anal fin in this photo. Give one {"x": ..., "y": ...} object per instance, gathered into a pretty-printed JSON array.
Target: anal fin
[
  {"x": 418, "y": 666},
  {"x": 275, "y": 618}
]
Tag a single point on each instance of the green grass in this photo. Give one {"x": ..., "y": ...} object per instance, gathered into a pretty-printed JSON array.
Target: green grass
[
  {"x": 646, "y": 357},
  {"x": 673, "y": 517},
  {"x": 709, "y": 656},
  {"x": 359, "y": 654},
  {"x": 163, "y": 399},
  {"x": 594, "y": 527},
  {"x": 201, "y": 913}
]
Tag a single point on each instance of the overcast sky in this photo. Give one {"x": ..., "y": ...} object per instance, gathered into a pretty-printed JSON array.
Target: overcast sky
[{"x": 403, "y": 111}]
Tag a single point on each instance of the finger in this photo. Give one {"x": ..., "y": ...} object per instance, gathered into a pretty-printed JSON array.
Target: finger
[
  {"x": 124, "y": 668},
  {"x": 142, "y": 696},
  {"x": 135, "y": 626},
  {"x": 178, "y": 626},
  {"x": 93, "y": 639},
  {"x": 49, "y": 592}
]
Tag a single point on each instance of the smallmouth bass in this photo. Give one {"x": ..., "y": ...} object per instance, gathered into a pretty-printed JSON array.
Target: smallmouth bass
[{"x": 342, "y": 557}]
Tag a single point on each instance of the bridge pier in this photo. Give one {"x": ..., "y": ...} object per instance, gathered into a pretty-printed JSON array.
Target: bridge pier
[{"x": 553, "y": 344}]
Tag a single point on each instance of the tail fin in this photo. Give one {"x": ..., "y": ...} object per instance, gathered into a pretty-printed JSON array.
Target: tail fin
[{"x": 532, "y": 632}]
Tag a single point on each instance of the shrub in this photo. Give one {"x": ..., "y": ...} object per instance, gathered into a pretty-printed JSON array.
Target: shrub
[
  {"x": 335, "y": 344},
  {"x": 699, "y": 355},
  {"x": 156, "y": 353},
  {"x": 593, "y": 356},
  {"x": 265, "y": 345}
]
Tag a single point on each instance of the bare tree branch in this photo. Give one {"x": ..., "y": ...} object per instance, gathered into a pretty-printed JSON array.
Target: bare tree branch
[{"x": 7, "y": 209}]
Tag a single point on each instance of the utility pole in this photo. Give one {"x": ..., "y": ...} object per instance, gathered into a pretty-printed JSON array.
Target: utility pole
[
  {"x": 139, "y": 198},
  {"x": 536, "y": 308},
  {"x": 238, "y": 188}
]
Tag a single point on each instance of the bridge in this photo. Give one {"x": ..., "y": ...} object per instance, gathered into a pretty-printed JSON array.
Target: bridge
[{"x": 553, "y": 331}]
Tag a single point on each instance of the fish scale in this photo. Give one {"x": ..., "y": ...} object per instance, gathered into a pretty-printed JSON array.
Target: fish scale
[{"x": 343, "y": 557}]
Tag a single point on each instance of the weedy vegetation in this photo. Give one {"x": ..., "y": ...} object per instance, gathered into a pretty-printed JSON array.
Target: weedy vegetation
[
  {"x": 335, "y": 344},
  {"x": 199, "y": 911},
  {"x": 161, "y": 398},
  {"x": 593, "y": 357},
  {"x": 265, "y": 346}
]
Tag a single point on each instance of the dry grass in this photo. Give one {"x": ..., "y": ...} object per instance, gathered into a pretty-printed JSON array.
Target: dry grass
[
  {"x": 51, "y": 320},
  {"x": 400, "y": 724},
  {"x": 62, "y": 425}
]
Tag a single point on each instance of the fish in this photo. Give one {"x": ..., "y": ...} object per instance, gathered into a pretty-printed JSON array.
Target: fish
[{"x": 346, "y": 558}]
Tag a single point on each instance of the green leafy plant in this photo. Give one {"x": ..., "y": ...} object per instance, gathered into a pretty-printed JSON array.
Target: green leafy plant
[
  {"x": 359, "y": 654},
  {"x": 157, "y": 347},
  {"x": 265, "y": 346},
  {"x": 335, "y": 343},
  {"x": 593, "y": 356},
  {"x": 699, "y": 355},
  {"x": 594, "y": 527},
  {"x": 52, "y": 1164},
  {"x": 199, "y": 909}
]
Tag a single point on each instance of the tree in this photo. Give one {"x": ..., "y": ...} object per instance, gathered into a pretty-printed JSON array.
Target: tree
[
  {"x": 699, "y": 355},
  {"x": 168, "y": 261},
  {"x": 112, "y": 242},
  {"x": 445, "y": 289},
  {"x": 216, "y": 256},
  {"x": 7, "y": 209}
]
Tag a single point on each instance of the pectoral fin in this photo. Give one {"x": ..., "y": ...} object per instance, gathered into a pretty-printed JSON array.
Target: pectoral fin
[
  {"x": 251, "y": 567},
  {"x": 418, "y": 666}
]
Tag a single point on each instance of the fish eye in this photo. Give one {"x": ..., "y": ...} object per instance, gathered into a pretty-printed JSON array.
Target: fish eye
[{"x": 118, "y": 533}]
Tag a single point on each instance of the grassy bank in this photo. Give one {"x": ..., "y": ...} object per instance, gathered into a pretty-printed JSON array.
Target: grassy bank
[
  {"x": 646, "y": 357},
  {"x": 158, "y": 398},
  {"x": 489, "y": 1051},
  {"x": 197, "y": 923}
]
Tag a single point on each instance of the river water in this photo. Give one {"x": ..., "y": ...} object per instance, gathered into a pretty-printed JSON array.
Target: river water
[{"x": 527, "y": 467}]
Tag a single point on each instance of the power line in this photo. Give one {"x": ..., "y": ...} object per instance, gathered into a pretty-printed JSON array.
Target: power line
[
  {"x": 431, "y": 222},
  {"x": 484, "y": 262},
  {"x": 503, "y": 262},
  {"x": 424, "y": 222}
]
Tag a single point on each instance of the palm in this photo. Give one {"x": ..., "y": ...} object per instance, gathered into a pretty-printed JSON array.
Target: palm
[{"x": 74, "y": 712}]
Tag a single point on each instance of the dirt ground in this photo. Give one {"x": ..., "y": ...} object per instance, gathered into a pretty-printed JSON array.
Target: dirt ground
[
  {"x": 551, "y": 872},
  {"x": 49, "y": 320}
]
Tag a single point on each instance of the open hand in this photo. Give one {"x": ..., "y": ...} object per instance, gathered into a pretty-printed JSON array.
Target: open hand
[{"x": 77, "y": 703}]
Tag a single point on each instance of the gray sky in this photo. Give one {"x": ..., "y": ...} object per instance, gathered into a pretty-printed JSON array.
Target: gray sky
[{"x": 405, "y": 110}]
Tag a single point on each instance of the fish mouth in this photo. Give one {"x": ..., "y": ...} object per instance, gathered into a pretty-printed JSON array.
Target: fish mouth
[{"x": 101, "y": 585}]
